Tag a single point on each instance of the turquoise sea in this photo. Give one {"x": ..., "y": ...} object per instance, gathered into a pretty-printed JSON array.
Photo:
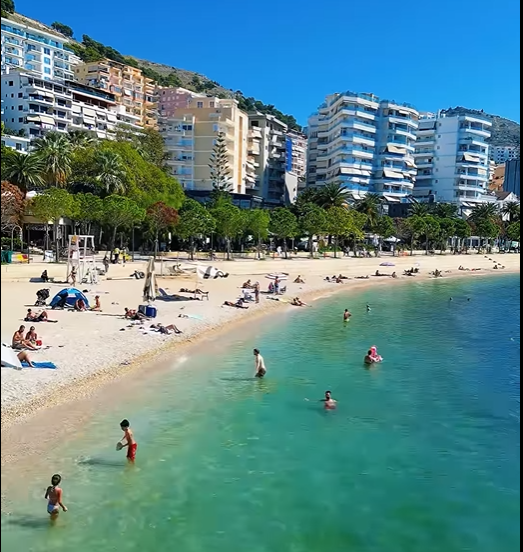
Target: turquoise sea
[{"x": 422, "y": 454}]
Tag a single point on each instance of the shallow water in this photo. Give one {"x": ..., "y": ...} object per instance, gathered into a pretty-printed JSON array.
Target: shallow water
[{"x": 421, "y": 455}]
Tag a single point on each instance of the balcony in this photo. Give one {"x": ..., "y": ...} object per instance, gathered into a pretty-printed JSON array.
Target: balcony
[{"x": 474, "y": 129}]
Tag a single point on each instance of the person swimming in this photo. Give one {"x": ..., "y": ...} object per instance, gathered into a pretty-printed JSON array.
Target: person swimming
[
  {"x": 329, "y": 402},
  {"x": 369, "y": 359},
  {"x": 374, "y": 352},
  {"x": 346, "y": 315},
  {"x": 368, "y": 308}
]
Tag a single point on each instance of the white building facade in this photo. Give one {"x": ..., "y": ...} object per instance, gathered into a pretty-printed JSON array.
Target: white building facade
[
  {"x": 452, "y": 157},
  {"x": 37, "y": 51},
  {"x": 363, "y": 143},
  {"x": 502, "y": 154}
]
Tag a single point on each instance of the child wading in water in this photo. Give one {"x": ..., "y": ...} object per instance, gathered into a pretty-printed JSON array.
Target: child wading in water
[
  {"x": 54, "y": 496},
  {"x": 128, "y": 441}
]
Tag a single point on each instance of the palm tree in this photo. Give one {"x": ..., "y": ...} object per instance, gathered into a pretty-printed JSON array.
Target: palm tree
[
  {"x": 370, "y": 206},
  {"x": 333, "y": 195},
  {"x": 419, "y": 209},
  {"x": 54, "y": 150},
  {"x": 23, "y": 170},
  {"x": 110, "y": 171},
  {"x": 81, "y": 139},
  {"x": 484, "y": 211},
  {"x": 446, "y": 210},
  {"x": 512, "y": 210}
]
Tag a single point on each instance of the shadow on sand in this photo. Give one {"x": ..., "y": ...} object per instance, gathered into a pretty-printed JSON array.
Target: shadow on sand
[
  {"x": 28, "y": 522},
  {"x": 101, "y": 462}
]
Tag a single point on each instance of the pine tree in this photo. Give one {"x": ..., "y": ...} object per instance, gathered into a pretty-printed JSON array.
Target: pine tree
[{"x": 219, "y": 165}]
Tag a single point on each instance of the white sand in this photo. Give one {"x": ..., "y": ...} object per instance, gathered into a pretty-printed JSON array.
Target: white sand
[{"x": 89, "y": 348}]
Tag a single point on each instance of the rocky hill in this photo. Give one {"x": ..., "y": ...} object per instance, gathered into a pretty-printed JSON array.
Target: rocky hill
[{"x": 504, "y": 131}]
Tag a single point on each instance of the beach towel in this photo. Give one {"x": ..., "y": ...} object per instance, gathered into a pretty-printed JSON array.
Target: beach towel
[{"x": 49, "y": 365}]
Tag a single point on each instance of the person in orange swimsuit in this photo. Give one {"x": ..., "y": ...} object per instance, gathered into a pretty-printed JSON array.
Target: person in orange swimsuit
[
  {"x": 54, "y": 497},
  {"x": 128, "y": 441}
]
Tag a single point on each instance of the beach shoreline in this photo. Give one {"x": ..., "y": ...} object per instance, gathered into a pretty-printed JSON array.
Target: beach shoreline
[{"x": 147, "y": 358}]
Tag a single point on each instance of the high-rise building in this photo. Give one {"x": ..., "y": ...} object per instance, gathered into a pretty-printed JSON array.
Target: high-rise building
[
  {"x": 452, "y": 159},
  {"x": 191, "y": 135},
  {"x": 363, "y": 143},
  {"x": 35, "y": 105},
  {"x": 131, "y": 89},
  {"x": 171, "y": 99},
  {"x": 297, "y": 154},
  {"x": 37, "y": 51},
  {"x": 501, "y": 154},
  {"x": 512, "y": 182}
]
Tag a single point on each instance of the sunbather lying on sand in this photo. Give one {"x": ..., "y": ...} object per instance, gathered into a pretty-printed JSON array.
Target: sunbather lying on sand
[
  {"x": 23, "y": 356},
  {"x": 362, "y": 277},
  {"x": 196, "y": 291},
  {"x": 134, "y": 315},
  {"x": 166, "y": 329},
  {"x": 37, "y": 316},
  {"x": 239, "y": 304}
]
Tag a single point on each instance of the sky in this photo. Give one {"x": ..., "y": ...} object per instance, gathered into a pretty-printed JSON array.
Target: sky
[{"x": 433, "y": 54}]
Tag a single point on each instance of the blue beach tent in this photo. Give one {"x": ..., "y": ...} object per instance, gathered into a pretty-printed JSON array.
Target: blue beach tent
[{"x": 73, "y": 295}]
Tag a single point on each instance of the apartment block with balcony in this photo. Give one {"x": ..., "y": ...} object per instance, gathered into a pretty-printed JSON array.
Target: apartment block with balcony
[
  {"x": 502, "y": 154},
  {"x": 34, "y": 104},
  {"x": 36, "y": 51},
  {"x": 171, "y": 99},
  {"x": 210, "y": 117},
  {"x": 178, "y": 136},
  {"x": 363, "y": 143},
  {"x": 131, "y": 89},
  {"x": 297, "y": 154},
  {"x": 452, "y": 157},
  {"x": 17, "y": 143}
]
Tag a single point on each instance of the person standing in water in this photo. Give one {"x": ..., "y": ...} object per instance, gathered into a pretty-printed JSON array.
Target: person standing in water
[
  {"x": 128, "y": 441},
  {"x": 329, "y": 402},
  {"x": 54, "y": 497},
  {"x": 259, "y": 365},
  {"x": 346, "y": 315},
  {"x": 368, "y": 308}
]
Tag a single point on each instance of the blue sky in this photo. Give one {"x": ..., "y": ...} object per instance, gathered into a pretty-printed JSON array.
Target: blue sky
[{"x": 433, "y": 54}]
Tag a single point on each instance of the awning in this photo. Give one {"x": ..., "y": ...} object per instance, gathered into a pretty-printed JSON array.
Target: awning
[
  {"x": 127, "y": 92},
  {"x": 365, "y": 173},
  {"x": 89, "y": 112},
  {"x": 392, "y": 174},
  {"x": 403, "y": 112},
  {"x": 89, "y": 120},
  {"x": 33, "y": 118},
  {"x": 392, "y": 199},
  {"x": 395, "y": 149},
  {"x": 468, "y": 157},
  {"x": 349, "y": 170},
  {"x": 111, "y": 117},
  {"x": 482, "y": 172},
  {"x": 410, "y": 163},
  {"x": 76, "y": 109},
  {"x": 44, "y": 94},
  {"x": 46, "y": 120}
]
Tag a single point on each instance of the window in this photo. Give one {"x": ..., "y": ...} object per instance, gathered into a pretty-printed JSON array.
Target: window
[
  {"x": 47, "y": 70},
  {"x": 12, "y": 95},
  {"x": 20, "y": 119},
  {"x": 216, "y": 128},
  {"x": 12, "y": 108},
  {"x": 47, "y": 51},
  {"x": 19, "y": 147},
  {"x": 11, "y": 83},
  {"x": 211, "y": 104},
  {"x": 20, "y": 94},
  {"x": 20, "y": 107},
  {"x": 47, "y": 61},
  {"x": 199, "y": 105}
]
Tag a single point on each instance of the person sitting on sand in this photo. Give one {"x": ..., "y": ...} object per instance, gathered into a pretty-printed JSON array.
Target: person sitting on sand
[
  {"x": 31, "y": 335},
  {"x": 80, "y": 305},
  {"x": 393, "y": 275},
  {"x": 239, "y": 304},
  {"x": 299, "y": 280},
  {"x": 247, "y": 285},
  {"x": 378, "y": 273},
  {"x": 37, "y": 316},
  {"x": 133, "y": 314},
  {"x": 97, "y": 304},
  {"x": 297, "y": 302},
  {"x": 329, "y": 402},
  {"x": 166, "y": 329},
  {"x": 369, "y": 359},
  {"x": 44, "y": 276},
  {"x": 22, "y": 356},
  {"x": 19, "y": 342}
]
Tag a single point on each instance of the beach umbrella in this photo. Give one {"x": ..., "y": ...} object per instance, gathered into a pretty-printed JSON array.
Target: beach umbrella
[
  {"x": 392, "y": 240},
  {"x": 150, "y": 287},
  {"x": 387, "y": 264},
  {"x": 279, "y": 276}
]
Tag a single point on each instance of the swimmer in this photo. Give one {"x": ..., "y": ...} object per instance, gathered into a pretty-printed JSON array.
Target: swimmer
[
  {"x": 369, "y": 359},
  {"x": 128, "y": 441},
  {"x": 259, "y": 365},
  {"x": 54, "y": 497},
  {"x": 329, "y": 402},
  {"x": 368, "y": 308},
  {"x": 346, "y": 315},
  {"x": 374, "y": 353}
]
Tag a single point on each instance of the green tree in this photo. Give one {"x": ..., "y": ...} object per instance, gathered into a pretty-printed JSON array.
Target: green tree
[
  {"x": 462, "y": 231},
  {"x": 8, "y": 7},
  {"x": 445, "y": 210},
  {"x": 81, "y": 139},
  {"x": 283, "y": 225},
  {"x": 312, "y": 222},
  {"x": 419, "y": 209},
  {"x": 63, "y": 29},
  {"x": 195, "y": 220},
  {"x": 258, "y": 221},
  {"x": 52, "y": 205},
  {"x": 447, "y": 229},
  {"x": 161, "y": 217},
  {"x": 148, "y": 142},
  {"x": 385, "y": 228},
  {"x": 370, "y": 206},
  {"x": 339, "y": 223},
  {"x": 431, "y": 230},
  {"x": 413, "y": 228},
  {"x": 512, "y": 210},
  {"x": 219, "y": 165},
  {"x": 23, "y": 170},
  {"x": 54, "y": 151},
  {"x": 110, "y": 171},
  {"x": 486, "y": 229},
  {"x": 483, "y": 212},
  {"x": 230, "y": 223},
  {"x": 332, "y": 195},
  {"x": 513, "y": 231},
  {"x": 88, "y": 209},
  {"x": 120, "y": 212}
]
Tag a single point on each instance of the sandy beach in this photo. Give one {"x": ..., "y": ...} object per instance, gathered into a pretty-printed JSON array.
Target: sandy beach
[{"x": 92, "y": 348}]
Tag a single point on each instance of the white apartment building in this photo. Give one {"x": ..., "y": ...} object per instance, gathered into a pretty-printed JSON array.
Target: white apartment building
[
  {"x": 502, "y": 154},
  {"x": 17, "y": 143},
  {"x": 365, "y": 144},
  {"x": 34, "y": 104},
  {"x": 452, "y": 159},
  {"x": 297, "y": 154},
  {"x": 178, "y": 135},
  {"x": 36, "y": 51}
]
